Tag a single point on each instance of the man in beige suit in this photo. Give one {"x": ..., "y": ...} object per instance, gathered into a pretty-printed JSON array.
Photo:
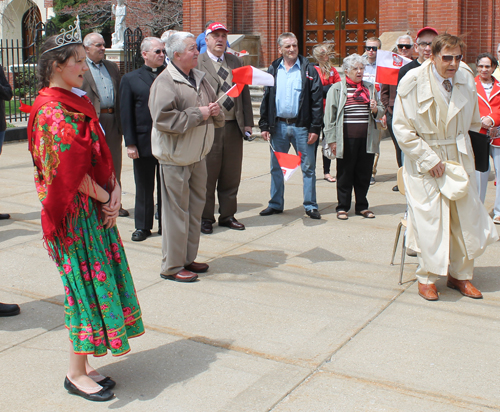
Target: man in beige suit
[
  {"x": 225, "y": 158},
  {"x": 184, "y": 113},
  {"x": 102, "y": 83}
]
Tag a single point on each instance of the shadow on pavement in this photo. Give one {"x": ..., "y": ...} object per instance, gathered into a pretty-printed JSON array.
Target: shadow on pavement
[{"x": 145, "y": 375}]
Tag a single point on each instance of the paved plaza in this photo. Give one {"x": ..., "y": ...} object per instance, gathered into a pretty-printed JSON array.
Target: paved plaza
[{"x": 294, "y": 314}]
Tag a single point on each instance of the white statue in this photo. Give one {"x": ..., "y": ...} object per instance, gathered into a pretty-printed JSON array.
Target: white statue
[{"x": 120, "y": 11}]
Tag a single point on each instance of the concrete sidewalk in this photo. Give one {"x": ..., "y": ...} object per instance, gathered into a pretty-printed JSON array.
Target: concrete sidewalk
[{"x": 294, "y": 314}]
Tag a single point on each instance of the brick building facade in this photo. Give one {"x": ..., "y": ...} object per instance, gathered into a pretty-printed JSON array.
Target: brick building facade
[{"x": 474, "y": 19}]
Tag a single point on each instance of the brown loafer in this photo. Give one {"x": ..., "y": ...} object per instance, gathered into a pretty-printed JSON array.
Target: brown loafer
[
  {"x": 428, "y": 292},
  {"x": 197, "y": 267},
  {"x": 182, "y": 275},
  {"x": 464, "y": 287},
  {"x": 123, "y": 212},
  {"x": 232, "y": 223}
]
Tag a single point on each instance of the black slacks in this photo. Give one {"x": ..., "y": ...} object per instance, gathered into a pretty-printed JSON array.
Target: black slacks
[
  {"x": 396, "y": 146},
  {"x": 145, "y": 171},
  {"x": 354, "y": 170}
]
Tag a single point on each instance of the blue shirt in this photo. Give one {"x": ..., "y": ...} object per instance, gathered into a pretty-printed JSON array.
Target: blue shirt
[
  {"x": 104, "y": 84},
  {"x": 288, "y": 89}
]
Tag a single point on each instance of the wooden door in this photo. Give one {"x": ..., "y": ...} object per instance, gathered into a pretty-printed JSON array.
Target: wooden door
[{"x": 348, "y": 23}]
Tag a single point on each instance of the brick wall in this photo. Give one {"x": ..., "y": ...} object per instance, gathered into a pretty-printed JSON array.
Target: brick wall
[
  {"x": 265, "y": 18},
  {"x": 472, "y": 19}
]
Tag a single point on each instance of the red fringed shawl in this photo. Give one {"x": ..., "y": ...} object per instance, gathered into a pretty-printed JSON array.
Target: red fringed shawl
[{"x": 66, "y": 142}]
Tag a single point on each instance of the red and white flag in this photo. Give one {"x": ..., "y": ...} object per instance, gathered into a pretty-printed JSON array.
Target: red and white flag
[
  {"x": 252, "y": 75},
  {"x": 289, "y": 163},
  {"x": 388, "y": 65},
  {"x": 240, "y": 53},
  {"x": 236, "y": 90}
]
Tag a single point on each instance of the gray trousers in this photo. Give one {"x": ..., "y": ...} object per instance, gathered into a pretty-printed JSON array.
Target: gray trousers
[
  {"x": 224, "y": 172},
  {"x": 114, "y": 141},
  {"x": 183, "y": 191}
]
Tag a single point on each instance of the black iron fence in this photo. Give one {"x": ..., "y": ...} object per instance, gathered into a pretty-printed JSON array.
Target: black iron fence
[
  {"x": 132, "y": 49},
  {"x": 20, "y": 64}
]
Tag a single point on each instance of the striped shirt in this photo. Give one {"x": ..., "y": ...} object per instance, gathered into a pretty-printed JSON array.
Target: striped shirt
[{"x": 356, "y": 116}]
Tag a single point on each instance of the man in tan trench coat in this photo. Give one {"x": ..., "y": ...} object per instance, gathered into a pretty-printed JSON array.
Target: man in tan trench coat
[{"x": 436, "y": 106}]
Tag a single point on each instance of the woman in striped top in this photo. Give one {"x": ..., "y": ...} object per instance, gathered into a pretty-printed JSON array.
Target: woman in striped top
[{"x": 352, "y": 106}]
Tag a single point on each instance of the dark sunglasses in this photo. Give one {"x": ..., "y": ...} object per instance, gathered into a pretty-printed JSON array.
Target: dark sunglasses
[
  {"x": 373, "y": 48},
  {"x": 449, "y": 59},
  {"x": 159, "y": 51},
  {"x": 424, "y": 44},
  {"x": 405, "y": 46}
]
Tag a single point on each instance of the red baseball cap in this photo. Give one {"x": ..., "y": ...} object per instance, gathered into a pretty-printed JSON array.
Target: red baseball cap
[
  {"x": 214, "y": 27},
  {"x": 431, "y": 29}
]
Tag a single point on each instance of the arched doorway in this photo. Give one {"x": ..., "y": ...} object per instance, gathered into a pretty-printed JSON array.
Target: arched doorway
[
  {"x": 348, "y": 23},
  {"x": 31, "y": 19}
]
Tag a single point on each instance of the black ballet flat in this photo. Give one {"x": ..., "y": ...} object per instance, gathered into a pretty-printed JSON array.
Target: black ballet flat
[
  {"x": 105, "y": 394},
  {"x": 107, "y": 383}
]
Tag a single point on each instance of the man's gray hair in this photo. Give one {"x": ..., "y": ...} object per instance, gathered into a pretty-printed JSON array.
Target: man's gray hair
[
  {"x": 175, "y": 43},
  {"x": 351, "y": 61},
  {"x": 284, "y": 36},
  {"x": 167, "y": 34},
  {"x": 147, "y": 43},
  {"x": 87, "y": 41},
  {"x": 404, "y": 37}
]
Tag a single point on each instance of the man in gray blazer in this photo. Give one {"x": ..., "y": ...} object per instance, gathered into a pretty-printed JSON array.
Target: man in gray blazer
[
  {"x": 225, "y": 158},
  {"x": 102, "y": 83}
]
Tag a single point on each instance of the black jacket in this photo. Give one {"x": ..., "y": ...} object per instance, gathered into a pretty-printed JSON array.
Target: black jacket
[
  {"x": 5, "y": 95},
  {"x": 406, "y": 68},
  {"x": 310, "y": 113},
  {"x": 134, "y": 110}
]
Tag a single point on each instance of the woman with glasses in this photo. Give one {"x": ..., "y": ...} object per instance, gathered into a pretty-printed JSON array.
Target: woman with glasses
[
  {"x": 488, "y": 93},
  {"x": 80, "y": 197},
  {"x": 323, "y": 53},
  {"x": 352, "y": 106}
]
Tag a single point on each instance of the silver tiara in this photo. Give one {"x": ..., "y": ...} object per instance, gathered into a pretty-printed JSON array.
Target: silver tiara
[{"x": 71, "y": 36}]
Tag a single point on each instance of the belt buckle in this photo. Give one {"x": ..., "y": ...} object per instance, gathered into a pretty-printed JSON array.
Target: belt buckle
[{"x": 289, "y": 121}]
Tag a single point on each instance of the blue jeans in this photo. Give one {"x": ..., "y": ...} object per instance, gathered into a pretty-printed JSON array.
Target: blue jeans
[
  {"x": 281, "y": 140},
  {"x": 2, "y": 136}
]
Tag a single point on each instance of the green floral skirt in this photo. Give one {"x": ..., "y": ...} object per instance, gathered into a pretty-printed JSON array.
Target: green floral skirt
[{"x": 101, "y": 307}]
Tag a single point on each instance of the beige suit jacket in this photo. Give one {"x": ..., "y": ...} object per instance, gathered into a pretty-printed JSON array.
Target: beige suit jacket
[
  {"x": 90, "y": 88},
  {"x": 243, "y": 103}
]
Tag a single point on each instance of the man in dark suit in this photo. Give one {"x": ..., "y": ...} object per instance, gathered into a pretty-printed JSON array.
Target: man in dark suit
[
  {"x": 101, "y": 83},
  {"x": 137, "y": 124},
  {"x": 225, "y": 158}
]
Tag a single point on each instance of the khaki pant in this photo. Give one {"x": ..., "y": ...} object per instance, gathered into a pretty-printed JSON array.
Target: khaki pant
[
  {"x": 461, "y": 267},
  {"x": 183, "y": 191}
]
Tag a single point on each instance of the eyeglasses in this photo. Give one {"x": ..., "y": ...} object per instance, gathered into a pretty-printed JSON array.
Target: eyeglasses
[
  {"x": 424, "y": 44},
  {"x": 449, "y": 59},
  {"x": 159, "y": 51},
  {"x": 405, "y": 46},
  {"x": 99, "y": 45},
  {"x": 373, "y": 48}
]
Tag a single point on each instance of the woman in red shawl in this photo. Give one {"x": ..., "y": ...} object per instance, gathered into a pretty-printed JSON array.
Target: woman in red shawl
[{"x": 80, "y": 201}]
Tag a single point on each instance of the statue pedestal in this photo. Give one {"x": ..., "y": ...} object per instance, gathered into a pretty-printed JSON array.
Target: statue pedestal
[{"x": 116, "y": 56}]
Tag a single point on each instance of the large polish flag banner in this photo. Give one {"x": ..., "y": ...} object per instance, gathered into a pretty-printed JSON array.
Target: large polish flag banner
[
  {"x": 289, "y": 163},
  {"x": 252, "y": 75},
  {"x": 388, "y": 65}
]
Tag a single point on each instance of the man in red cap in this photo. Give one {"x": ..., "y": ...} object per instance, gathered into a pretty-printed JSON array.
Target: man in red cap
[
  {"x": 225, "y": 159},
  {"x": 422, "y": 47}
]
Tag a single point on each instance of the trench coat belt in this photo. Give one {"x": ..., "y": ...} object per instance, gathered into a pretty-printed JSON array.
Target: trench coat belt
[{"x": 443, "y": 142}]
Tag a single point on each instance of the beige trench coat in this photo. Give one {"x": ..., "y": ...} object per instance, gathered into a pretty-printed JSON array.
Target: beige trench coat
[{"x": 426, "y": 135}]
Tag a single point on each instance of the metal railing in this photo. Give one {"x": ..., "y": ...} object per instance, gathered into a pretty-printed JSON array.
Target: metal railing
[
  {"x": 132, "y": 49},
  {"x": 20, "y": 64}
]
